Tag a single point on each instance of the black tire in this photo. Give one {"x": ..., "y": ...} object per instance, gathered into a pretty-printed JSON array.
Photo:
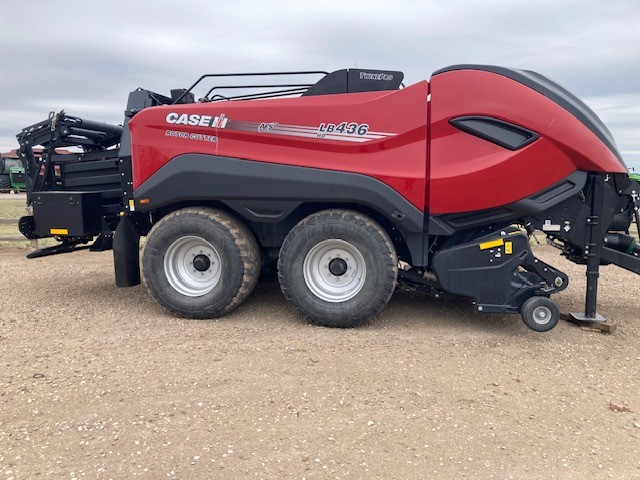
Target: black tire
[
  {"x": 540, "y": 314},
  {"x": 355, "y": 231},
  {"x": 5, "y": 184},
  {"x": 235, "y": 252}
]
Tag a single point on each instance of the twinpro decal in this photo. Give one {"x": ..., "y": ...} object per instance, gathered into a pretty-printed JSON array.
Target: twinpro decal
[{"x": 387, "y": 77}]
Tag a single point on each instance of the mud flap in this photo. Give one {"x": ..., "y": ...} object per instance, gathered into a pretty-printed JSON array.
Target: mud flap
[{"x": 126, "y": 254}]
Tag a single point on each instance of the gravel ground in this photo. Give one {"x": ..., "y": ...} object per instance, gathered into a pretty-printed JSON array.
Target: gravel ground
[{"x": 97, "y": 382}]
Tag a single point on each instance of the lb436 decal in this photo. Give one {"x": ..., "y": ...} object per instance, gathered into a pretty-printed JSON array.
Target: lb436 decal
[{"x": 345, "y": 128}]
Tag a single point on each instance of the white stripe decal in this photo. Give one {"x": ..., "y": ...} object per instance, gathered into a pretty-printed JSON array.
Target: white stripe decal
[
  {"x": 304, "y": 131},
  {"x": 315, "y": 133}
]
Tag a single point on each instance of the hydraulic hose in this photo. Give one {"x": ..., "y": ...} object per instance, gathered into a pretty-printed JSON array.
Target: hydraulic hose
[{"x": 622, "y": 243}]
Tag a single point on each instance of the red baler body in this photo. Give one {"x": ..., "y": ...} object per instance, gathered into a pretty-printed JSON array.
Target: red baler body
[{"x": 434, "y": 165}]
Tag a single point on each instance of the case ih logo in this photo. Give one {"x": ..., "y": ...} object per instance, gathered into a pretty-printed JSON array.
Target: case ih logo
[{"x": 196, "y": 119}]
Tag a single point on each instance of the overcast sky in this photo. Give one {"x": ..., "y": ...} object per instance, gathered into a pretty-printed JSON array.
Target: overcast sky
[{"x": 85, "y": 56}]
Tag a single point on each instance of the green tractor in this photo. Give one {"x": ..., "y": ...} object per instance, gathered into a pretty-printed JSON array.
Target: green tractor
[{"x": 12, "y": 177}]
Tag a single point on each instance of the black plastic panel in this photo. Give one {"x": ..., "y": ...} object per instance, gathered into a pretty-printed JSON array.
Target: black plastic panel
[
  {"x": 466, "y": 220},
  {"x": 356, "y": 80},
  {"x": 266, "y": 193},
  {"x": 487, "y": 274},
  {"x": 544, "y": 200},
  {"x": 373, "y": 80},
  {"x": 502, "y": 133},
  {"x": 77, "y": 213},
  {"x": 335, "y": 82}
]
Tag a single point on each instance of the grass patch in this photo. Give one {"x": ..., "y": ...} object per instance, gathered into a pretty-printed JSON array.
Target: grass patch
[{"x": 13, "y": 210}]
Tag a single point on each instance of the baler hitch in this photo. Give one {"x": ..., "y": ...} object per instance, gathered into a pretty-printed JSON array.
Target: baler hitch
[{"x": 619, "y": 249}]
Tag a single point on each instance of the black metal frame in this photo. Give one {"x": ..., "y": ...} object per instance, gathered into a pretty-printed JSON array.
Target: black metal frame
[
  {"x": 301, "y": 87},
  {"x": 60, "y": 130},
  {"x": 596, "y": 252},
  {"x": 93, "y": 169},
  {"x": 593, "y": 249}
]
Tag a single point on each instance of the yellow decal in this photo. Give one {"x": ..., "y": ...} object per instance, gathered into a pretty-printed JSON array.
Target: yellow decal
[
  {"x": 492, "y": 244},
  {"x": 59, "y": 231},
  {"x": 508, "y": 248}
]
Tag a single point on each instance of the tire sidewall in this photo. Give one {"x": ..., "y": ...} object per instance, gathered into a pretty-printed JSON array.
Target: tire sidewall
[
  {"x": 375, "y": 289},
  {"x": 232, "y": 271},
  {"x": 531, "y": 305}
]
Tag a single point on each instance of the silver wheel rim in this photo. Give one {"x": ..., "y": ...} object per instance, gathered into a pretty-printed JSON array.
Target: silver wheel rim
[
  {"x": 542, "y": 315},
  {"x": 181, "y": 273},
  {"x": 324, "y": 284}
]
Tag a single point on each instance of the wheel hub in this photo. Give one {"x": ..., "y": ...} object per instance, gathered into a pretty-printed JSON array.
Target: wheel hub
[
  {"x": 338, "y": 267},
  {"x": 201, "y": 263},
  {"x": 542, "y": 315}
]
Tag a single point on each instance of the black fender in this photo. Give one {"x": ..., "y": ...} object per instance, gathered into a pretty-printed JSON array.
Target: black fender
[{"x": 267, "y": 193}]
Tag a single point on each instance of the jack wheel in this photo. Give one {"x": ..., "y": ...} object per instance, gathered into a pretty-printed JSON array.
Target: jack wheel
[{"x": 540, "y": 314}]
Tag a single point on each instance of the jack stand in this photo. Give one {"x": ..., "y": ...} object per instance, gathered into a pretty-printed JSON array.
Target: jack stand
[
  {"x": 591, "y": 323},
  {"x": 593, "y": 250}
]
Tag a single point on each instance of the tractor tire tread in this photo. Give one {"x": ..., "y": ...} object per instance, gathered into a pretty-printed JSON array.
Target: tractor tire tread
[
  {"x": 375, "y": 231},
  {"x": 249, "y": 252}
]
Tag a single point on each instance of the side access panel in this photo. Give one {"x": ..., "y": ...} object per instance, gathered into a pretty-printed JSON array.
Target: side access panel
[
  {"x": 264, "y": 158},
  {"x": 377, "y": 134},
  {"x": 495, "y": 141}
]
